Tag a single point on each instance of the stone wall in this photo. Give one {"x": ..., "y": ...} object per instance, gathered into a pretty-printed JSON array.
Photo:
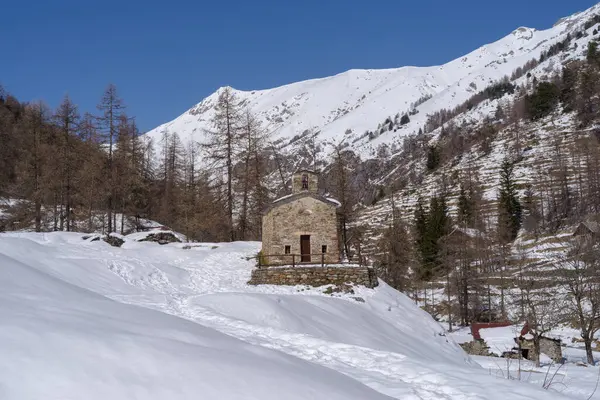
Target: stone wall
[
  {"x": 550, "y": 347},
  {"x": 284, "y": 224},
  {"x": 476, "y": 348},
  {"x": 314, "y": 276}
]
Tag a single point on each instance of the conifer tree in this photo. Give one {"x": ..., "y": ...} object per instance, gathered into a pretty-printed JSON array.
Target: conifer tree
[
  {"x": 592, "y": 52},
  {"x": 343, "y": 192},
  {"x": 587, "y": 100},
  {"x": 33, "y": 161},
  {"x": 223, "y": 145},
  {"x": 465, "y": 207},
  {"x": 251, "y": 183},
  {"x": 111, "y": 107},
  {"x": 430, "y": 227},
  {"x": 543, "y": 100},
  {"x": 568, "y": 93},
  {"x": 420, "y": 227},
  {"x": 509, "y": 206},
  {"x": 433, "y": 157},
  {"x": 67, "y": 119},
  {"x": 438, "y": 226},
  {"x": 395, "y": 256}
]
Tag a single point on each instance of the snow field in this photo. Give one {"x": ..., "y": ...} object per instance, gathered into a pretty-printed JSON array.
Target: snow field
[{"x": 85, "y": 320}]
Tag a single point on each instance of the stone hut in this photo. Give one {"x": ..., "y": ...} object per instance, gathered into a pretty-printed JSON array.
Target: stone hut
[
  {"x": 548, "y": 346},
  {"x": 588, "y": 229},
  {"x": 301, "y": 228}
]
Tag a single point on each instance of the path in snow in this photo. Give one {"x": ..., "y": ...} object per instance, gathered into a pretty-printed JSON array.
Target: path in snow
[
  {"x": 388, "y": 372},
  {"x": 385, "y": 343}
]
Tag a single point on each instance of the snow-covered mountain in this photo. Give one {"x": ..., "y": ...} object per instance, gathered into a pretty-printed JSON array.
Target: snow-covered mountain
[{"x": 343, "y": 107}]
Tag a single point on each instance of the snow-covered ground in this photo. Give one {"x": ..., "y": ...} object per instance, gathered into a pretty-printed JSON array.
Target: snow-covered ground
[
  {"x": 572, "y": 378},
  {"x": 86, "y": 320}
]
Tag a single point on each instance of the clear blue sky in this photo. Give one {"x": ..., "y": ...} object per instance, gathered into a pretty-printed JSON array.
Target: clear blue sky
[{"x": 166, "y": 56}]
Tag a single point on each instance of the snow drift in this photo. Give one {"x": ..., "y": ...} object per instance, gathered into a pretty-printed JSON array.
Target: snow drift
[{"x": 86, "y": 320}]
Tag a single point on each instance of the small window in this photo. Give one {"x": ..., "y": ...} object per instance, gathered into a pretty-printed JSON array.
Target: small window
[
  {"x": 304, "y": 182},
  {"x": 288, "y": 249},
  {"x": 324, "y": 249}
]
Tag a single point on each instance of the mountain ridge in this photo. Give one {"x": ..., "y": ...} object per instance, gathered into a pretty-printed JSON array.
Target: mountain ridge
[{"x": 347, "y": 105}]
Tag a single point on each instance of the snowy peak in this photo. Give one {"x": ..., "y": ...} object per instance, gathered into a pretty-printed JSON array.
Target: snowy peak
[
  {"x": 352, "y": 106},
  {"x": 577, "y": 17}
]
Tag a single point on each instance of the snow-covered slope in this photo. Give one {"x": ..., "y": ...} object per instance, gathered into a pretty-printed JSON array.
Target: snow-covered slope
[
  {"x": 344, "y": 106},
  {"x": 82, "y": 319}
]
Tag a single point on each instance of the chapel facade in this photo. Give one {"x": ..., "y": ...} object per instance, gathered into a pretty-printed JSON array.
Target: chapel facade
[{"x": 301, "y": 228}]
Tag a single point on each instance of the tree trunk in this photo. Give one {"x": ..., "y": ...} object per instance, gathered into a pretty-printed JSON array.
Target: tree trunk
[
  {"x": 449, "y": 303},
  {"x": 122, "y": 218},
  {"x": 589, "y": 353},
  {"x": 230, "y": 181},
  {"x": 587, "y": 340},
  {"x": 61, "y": 214},
  {"x": 38, "y": 215},
  {"x": 465, "y": 313},
  {"x": 55, "y": 227},
  {"x": 489, "y": 296},
  {"x": 536, "y": 349},
  {"x": 110, "y": 226}
]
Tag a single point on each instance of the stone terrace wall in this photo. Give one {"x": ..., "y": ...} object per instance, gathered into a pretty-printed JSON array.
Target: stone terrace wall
[{"x": 314, "y": 276}]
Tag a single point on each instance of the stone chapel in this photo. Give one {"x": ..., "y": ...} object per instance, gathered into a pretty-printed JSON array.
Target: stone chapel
[{"x": 302, "y": 225}]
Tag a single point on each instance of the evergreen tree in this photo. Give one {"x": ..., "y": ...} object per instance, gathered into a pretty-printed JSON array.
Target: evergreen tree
[
  {"x": 592, "y": 53},
  {"x": 499, "y": 115},
  {"x": 543, "y": 100},
  {"x": 430, "y": 228},
  {"x": 433, "y": 157},
  {"x": 509, "y": 206},
  {"x": 568, "y": 93},
  {"x": 404, "y": 120},
  {"x": 587, "y": 101}
]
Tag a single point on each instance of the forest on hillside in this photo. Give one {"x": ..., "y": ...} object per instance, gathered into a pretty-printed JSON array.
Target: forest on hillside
[
  {"x": 72, "y": 172},
  {"x": 479, "y": 263},
  {"x": 66, "y": 171}
]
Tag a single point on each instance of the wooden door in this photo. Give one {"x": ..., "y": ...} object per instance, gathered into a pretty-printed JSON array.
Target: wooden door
[{"x": 305, "y": 248}]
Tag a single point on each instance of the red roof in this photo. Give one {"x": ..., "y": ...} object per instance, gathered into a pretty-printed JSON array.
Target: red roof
[
  {"x": 475, "y": 327},
  {"x": 525, "y": 329}
]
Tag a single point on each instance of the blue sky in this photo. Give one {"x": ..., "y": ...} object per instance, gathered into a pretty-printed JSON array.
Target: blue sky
[{"x": 166, "y": 56}]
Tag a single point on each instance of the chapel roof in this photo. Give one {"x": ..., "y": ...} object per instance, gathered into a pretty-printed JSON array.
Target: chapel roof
[{"x": 295, "y": 196}]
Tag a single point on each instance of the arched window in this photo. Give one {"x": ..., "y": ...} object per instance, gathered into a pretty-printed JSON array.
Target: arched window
[{"x": 304, "y": 182}]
